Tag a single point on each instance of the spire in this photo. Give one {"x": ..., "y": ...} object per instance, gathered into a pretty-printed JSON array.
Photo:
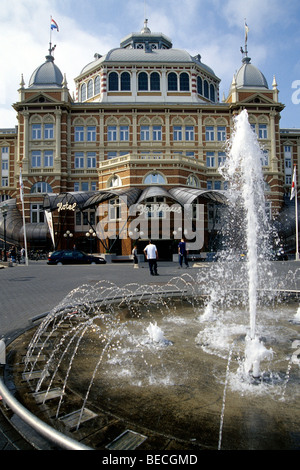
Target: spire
[
  {"x": 246, "y": 59},
  {"x": 145, "y": 28}
]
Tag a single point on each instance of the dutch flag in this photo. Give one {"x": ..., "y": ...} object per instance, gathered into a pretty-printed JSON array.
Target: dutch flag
[{"x": 54, "y": 25}]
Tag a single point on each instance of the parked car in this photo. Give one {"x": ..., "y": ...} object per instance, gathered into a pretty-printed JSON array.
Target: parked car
[{"x": 73, "y": 257}]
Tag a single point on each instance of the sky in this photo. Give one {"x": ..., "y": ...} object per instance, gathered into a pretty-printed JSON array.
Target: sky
[{"x": 215, "y": 29}]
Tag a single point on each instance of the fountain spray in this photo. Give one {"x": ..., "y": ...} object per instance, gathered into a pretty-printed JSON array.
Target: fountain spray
[{"x": 243, "y": 171}]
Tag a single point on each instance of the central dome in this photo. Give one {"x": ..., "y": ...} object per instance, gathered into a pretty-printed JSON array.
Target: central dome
[{"x": 47, "y": 75}]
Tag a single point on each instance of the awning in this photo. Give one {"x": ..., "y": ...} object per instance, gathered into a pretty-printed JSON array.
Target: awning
[
  {"x": 186, "y": 195},
  {"x": 53, "y": 201},
  {"x": 129, "y": 196}
]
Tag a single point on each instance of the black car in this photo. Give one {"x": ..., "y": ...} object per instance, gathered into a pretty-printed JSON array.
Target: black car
[{"x": 73, "y": 257}]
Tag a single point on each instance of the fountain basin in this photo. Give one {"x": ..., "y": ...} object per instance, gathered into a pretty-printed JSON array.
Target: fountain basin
[{"x": 169, "y": 393}]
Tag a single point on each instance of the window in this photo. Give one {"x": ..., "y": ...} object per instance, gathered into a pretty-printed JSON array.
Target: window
[
  {"x": 113, "y": 80},
  {"x": 145, "y": 133},
  {"x": 91, "y": 133},
  {"x": 209, "y": 133},
  {"x": 48, "y": 158},
  {"x": 221, "y": 158},
  {"x": 154, "y": 207},
  {"x": 91, "y": 160},
  {"x": 212, "y": 92},
  {"x": 114, "y": 209},
  {"x": 4, "y": 165},
  {"x": 154, "y": 178},
  {"x": 90, "y": 89},
  {"x": 112, "y": 133},
  {"x": 265, "y": 158},
  {"x": 48, "y": 131},
  {"x": 154, "y": 81},
  {"x": 36, "y": 131},
  {"x": 199, "y": 86},
  {"x": 184, "y": 81},
  {"x": 79, "y": 134},
  {"x": 206, "y": 91},
  {"x": 177, "y": 133},
  {"x": 36, "y": 161},
  {"x": 143, "y": 81},
  {"x": 111, "y": 155},
  {"x": 210, "y": 159},
  {"x": 124, "y": 133},
  {"x": 156, "y": 132},
  {"x": 36, "y": 213},
  {"x": 172, "y": 82},
  {"x": 189, "y": 133},
  {"x": 83, "y": 92},
  {"x": 114, "y": 182},
  {"x": 84, "y": 186},
  {"x": 221, "y": 133},
  {"x": 193, "y": 181},
  {"x": 4, "y": 181},
  {"x": 125, "y": 81},
  {"x": 97, "y": 85},
  {"x": 41, "y": 187},
  {"x": 262, "y": 131},
  {"x": 79, "y": 160}
]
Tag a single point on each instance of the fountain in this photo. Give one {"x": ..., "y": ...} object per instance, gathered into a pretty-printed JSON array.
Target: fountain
[{"x": 186, "y": 365}]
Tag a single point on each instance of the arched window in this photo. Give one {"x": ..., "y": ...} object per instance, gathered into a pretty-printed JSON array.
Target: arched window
[
  {"x": 114, "y": 182},
  {"x": 83, "y": 92},
  {"x": 97, "y": 85},
  {"x": 125, "y": 81},
  {"x": 193, "y": 181},
  {"x": 184, "y": 82},
  {"x": 143, "y": 81},
  {"x": 154, "y": 178},
  {"x": 212, "y": 92},
  {"x": 199, "y": 86},
  {"x": 113, "y": 80},
  {"x": 154, "y": 81},
  {"x": 41, "y": 187},
  {"x": 172, "y": 82},
  {"x": 90, "y": 89},
  {"x": 206, "y": 92}
]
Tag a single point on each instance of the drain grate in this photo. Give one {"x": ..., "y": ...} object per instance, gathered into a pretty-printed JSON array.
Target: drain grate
[
  {"x": 128, "y": 440},
  {"x": 41, "y": 397},
  {"x": 71, "y": 420}
]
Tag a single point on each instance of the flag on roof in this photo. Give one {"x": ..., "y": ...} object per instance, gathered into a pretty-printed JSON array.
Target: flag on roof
[{"x": 54, "y": 25}]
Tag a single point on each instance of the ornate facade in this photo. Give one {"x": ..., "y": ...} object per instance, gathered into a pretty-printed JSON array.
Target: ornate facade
[{"x": 147, "y": 122}]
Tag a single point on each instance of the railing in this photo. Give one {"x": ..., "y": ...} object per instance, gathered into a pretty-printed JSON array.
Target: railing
[{"x": 35, "y": 423}]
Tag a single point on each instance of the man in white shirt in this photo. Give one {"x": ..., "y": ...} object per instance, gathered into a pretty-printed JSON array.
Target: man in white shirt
[{"x": 151, "y": 255}]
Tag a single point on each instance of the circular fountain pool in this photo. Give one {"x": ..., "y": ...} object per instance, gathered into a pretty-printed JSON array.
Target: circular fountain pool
[{"x": 164, "y": 369}]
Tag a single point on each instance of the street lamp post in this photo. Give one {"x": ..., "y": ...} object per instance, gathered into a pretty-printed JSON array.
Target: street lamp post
[
  {"x": 4, "y": 210},
  {"x": 91, "y": 236},
  {"x": 68, "y": 235}
]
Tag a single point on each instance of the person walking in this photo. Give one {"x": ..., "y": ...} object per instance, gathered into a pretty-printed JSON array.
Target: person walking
[
  {"x": 182, "y": 253},
  {"x": 151, "y": 255}
]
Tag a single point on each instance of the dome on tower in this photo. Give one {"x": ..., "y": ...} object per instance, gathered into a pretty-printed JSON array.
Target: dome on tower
[
  {"x": 47, "y": 75},
  {"x": 250, "y": 76}
]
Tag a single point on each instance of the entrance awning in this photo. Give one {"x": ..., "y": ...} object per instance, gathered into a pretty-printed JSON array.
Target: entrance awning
[{"x": 188, "y": 195}]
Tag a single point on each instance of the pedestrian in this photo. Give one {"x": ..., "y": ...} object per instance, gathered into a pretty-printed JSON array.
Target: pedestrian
[
  {"x": 182, "y": 253},
  {"x": 151, "y": 255},
  {"x": 134, "y": 254},
  {"x": 22, "y": 255}
]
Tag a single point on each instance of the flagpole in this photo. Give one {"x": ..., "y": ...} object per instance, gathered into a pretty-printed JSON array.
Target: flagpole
[
  {"x": 296, "y": 220},
  {"x": 23, "y": 213},
  {"x": 25, "y": 238}
]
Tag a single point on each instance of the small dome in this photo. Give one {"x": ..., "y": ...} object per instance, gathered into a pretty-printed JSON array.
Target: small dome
[
  {"x": 46, "y": 75},
  {"x": 250, "y": 76}
]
